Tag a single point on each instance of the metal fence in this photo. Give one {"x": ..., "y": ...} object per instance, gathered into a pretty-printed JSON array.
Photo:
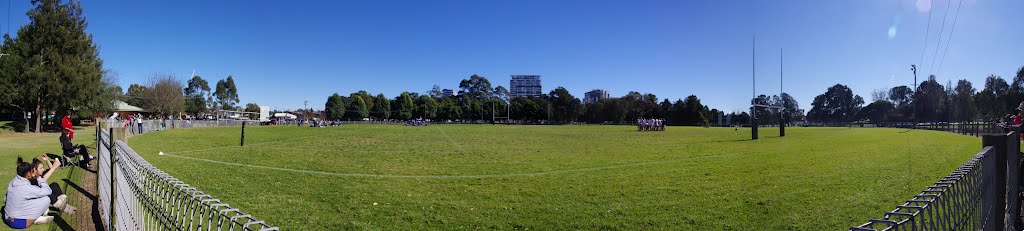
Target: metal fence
[
  {"x": 134, "y": 195},
  {"x": 964, "y": 128},
  {"x": 136, "y": 128},
  {"x": 982, "y": 194}
]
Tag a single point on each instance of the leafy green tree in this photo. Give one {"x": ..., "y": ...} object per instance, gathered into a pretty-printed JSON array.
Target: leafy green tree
[
  {"x": 791, "y": 108},
  {"x": 369, "y": 99},
  {"x": 928, "y": 100},
  {"x": 501, "y": 93},
  {"x": 135, "y": 94},
  {"x": 55, "y": 65},
  {"x": 616, "y": 110},
  {"x": 878, "y": 111},
  {"x": 694, "y": 111},
  {"x": 963, "y": 101},
  {"x": 677, "y": 115},
  {"x": 524, "y": 108},
  {"x": 252, "y": 107},
  {"x": 197, "y": 96},
  {"x": 334, "y": 109},
  {"x": 476, "y": 87},
  {"x": 449, "y": 109},
  {"x": 226, "y": 93},
  {"x": 405, "y": 106},
  {"x": 436, "y": 92},
  {"x": 837, "y": 104},
  {"x": 664, "y": 109},
  {"x": 992, "y": 101},
  {"x": 382, "y": 109},
  {"x": 564, "y": 106},
  {"x": 471, "y": 109},
  {"x": 426, "y": 107},
  {"x": 901, "y": 95},
  {"x": 762, "y": 114},
  {"x": 357, "y": 109}
]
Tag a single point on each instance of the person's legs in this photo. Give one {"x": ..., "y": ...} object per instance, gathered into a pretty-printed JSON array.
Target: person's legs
[{"x": 55, "y": 192}]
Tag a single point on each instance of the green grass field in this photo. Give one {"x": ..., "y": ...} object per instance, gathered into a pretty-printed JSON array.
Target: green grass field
[{"x": 558, "y": 177}]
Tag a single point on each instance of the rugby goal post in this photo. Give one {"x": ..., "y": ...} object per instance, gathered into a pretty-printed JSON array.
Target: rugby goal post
[{"x": 754, "y": 106}]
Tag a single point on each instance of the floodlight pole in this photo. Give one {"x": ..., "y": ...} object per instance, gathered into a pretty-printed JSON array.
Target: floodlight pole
[{"x": 913, "y": 111}]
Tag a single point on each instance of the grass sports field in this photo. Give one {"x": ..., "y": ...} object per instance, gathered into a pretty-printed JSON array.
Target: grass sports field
[{"x": 558, "y": 177}]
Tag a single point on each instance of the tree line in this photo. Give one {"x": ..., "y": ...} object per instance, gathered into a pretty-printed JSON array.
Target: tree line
[
  {"x": 165, "y": 95},
  {"x": 478, "y": 100},
  {"x": 930, "y": 102}
]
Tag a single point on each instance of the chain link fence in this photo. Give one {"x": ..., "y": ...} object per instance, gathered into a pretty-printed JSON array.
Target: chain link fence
[
  {"x": 134, "y": 195},
  {"x": 982, "y": 194}
]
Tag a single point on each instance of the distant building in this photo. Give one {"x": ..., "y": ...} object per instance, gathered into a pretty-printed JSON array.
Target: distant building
[
  {"x": 525, "y": 85},
  {"x": 594, "y": 96},
  {"x": 447, "y": 92}
]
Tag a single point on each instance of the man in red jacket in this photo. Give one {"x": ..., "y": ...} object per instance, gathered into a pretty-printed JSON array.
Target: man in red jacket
[{"x": 65, "y": 124}]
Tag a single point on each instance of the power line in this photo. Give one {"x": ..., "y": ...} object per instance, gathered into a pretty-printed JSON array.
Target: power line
[
  {"x": 939, "y": 42},
  {"x": 927, "y": 32},
  {"x": 950, "y": 38}
]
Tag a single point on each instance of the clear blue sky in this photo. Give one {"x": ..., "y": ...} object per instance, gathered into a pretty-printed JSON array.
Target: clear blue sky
[{"x": 284, "y": 52}]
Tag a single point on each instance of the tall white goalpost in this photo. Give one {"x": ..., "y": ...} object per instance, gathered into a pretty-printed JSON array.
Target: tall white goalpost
[{"x": 754, "y": 106}]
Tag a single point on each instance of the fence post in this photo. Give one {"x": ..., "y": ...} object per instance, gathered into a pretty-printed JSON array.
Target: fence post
[
  {"x": 110, "y": 150},
  {"x": 243, "y": 134},
  {"x": 753, "y": 128},
  {"x": 1013, "y": 179},
  {"x": 782, "y": 127},
  {"x": 999, "y": 143}
]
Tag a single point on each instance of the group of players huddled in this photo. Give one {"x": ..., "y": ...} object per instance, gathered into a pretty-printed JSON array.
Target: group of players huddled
[{"x": 650, "y": 124}]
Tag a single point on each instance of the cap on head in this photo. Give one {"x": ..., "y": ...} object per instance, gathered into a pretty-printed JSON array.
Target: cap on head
[{"x": 1021, "y": 106}]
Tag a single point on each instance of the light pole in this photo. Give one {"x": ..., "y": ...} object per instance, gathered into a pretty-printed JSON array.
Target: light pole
[{"x": 913, "y": 112}]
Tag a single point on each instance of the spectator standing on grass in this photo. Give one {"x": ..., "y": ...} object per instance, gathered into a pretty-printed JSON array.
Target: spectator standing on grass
[
  {"x": 138, "y": 119},
  {"x": 65, "y": 124},
  {"x": 29, "y": 197}
]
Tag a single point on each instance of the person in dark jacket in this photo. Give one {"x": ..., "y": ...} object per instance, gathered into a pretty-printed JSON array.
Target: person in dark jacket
[{"x": 71, "y": 150}]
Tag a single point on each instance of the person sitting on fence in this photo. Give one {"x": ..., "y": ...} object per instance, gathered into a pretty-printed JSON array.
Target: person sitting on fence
[
  {"x": 71, "y": 150},
  {"x": 29, "y": 197}
]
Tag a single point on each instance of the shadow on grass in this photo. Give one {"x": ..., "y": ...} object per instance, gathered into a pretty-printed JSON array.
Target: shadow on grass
[
  {"x": 61, "y": 223},
  {"x": 95, "y": 204}
]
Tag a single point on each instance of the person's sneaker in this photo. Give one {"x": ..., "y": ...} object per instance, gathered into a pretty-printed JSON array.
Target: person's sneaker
[
  {"x": 43, "y": 220},
  {"x": 61, "y": 202},
  {"x": 68, "y": 209}
]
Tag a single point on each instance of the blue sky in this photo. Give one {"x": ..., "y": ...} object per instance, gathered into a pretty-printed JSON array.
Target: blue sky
[{"x": 282, "y": 53}]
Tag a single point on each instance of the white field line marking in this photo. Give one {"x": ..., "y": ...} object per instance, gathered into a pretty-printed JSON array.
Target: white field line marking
[
  {"x": 449, "y": 176},
  {"x": 226, "y": 147},
  {"x": 457, "y": 145}
]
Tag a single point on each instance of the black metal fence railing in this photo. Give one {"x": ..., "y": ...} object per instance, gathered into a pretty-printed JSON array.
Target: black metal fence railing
[
  {"x": 982, "y": 194},
  {"x": 134, "y": 195}
]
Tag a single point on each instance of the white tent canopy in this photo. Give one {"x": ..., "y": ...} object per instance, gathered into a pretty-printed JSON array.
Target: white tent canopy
[{"x": 283, "y": 115}]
